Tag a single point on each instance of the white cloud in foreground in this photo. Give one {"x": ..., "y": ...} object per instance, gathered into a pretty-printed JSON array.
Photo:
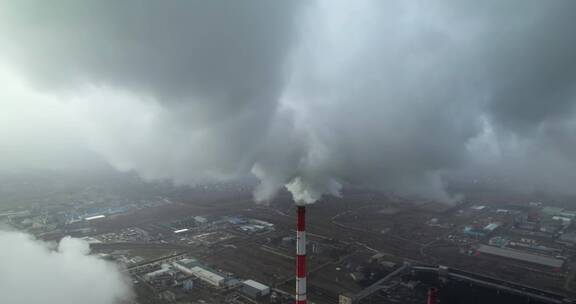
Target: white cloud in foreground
[{"x": 33, "y": 271}]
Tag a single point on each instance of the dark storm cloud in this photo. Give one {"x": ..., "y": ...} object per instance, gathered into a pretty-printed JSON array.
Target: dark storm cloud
[
  {"x": 313, "y": 96},
  {"x": 528, "y": 66},
  {"x": 531, "y": 54},
  {"x": 227, "y": 52},
  {"x": 214, "y": 66}
]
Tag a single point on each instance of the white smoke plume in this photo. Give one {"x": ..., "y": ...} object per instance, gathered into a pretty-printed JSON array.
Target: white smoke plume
[
  {"x": 33, "y": 272},
  {"x": 312, "y": 96}
]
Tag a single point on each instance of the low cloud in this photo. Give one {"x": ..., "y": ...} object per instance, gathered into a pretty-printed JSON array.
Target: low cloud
[
  {"x": 32, "y": 271},
  {"x": 314, "y": 95}
]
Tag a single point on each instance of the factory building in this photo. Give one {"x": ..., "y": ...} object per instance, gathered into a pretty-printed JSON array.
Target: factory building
[
  {"x": 522, "y": 256},
  {"x": 207, "y": 276},
  {"x": 566, "y": 221},
  {"x": 569, "y": 214},
  {"x": 477, "y": 232},
  {"x": 165, "y": 268},
  {"x": 254, "y": 289},
  {"x": 188, "y": 285},
  {"x": 551, "y": 226},
  {"x": 474, "y": 232},
  {"x": 568, "y": 238},
  {"x": 185, "y": 265},
  {"x": 491, "y": 227},
  {"x": 552, "y": 211}
]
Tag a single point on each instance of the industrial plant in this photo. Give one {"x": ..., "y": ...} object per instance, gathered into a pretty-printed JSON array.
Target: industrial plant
[{"x": 380, "y": 249}]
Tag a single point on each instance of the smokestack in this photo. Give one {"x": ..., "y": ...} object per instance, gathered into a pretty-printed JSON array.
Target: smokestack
[
  {"x": 300, "y": 255},
  {"x": 432, "y": 296}
]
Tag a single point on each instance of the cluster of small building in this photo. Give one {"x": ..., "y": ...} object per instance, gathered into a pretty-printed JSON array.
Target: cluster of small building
[
  {"x": 132, "y": 234},
  {"x": 256, "y": 226},
  {"x": 203, "y": 230},
  {"x": 531, "y": 233},
  {"x": 195, "y": 224},
  {"x": 72, "y": 217},
  {"x": 189, "y": 274}
]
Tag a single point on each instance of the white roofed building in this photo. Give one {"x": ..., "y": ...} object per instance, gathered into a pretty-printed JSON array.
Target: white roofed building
[
  {"x": 204, "y": 275},
  {"x": 254, "y": 289}
]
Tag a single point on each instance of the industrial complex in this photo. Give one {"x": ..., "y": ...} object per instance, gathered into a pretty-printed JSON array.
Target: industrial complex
[{"x": 366, "y": 248}]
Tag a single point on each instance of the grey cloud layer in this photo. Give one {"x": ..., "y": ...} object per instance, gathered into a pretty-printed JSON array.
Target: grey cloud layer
[
  {"x": 214, "y": 67},
  {"x": 314, "y": 96}
]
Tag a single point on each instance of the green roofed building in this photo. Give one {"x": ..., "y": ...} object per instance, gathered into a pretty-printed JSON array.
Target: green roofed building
[{"x": 552, "y": 211}]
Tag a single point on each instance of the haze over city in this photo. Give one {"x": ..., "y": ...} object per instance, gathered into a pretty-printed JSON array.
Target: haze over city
[{"x": 144, "y": 136}]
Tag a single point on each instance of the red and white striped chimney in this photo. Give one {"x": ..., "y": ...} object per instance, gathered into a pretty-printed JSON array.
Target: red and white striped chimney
[
  {"x": 301, "y": 255},
  {"x": 432, "y": 296}
]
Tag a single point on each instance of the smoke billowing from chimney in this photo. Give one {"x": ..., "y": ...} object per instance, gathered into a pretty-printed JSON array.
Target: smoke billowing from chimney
[{"x": 312, "y": 96}]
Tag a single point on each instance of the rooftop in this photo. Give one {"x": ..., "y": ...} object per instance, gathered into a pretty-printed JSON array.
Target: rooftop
[
  {"x": 552, "y": 210},
  {"x": 522, "y": 256},
  {"x": 568, "y": 237},
  {"x": 203, "y": 273},
  {"x": 255, "y": 285},
  {"x": 90, "y": 218},
  {"x": 188, "y": 263}
]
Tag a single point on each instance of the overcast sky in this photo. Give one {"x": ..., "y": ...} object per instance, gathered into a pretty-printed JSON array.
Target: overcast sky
[{"x": 315, "y": 95}]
